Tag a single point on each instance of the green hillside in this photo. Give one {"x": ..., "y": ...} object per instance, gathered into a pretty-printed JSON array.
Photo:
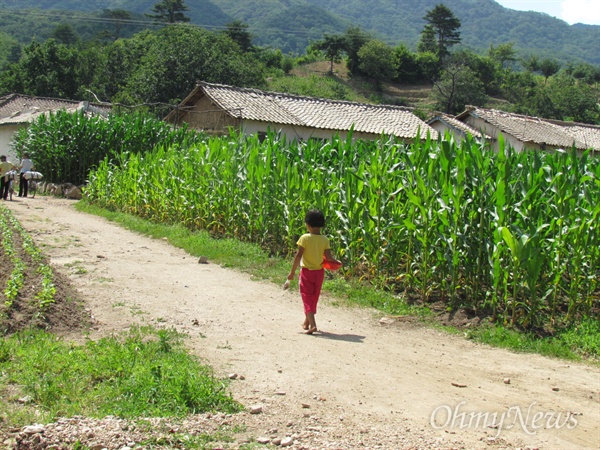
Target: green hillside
[{"x": 291, "y": 24}]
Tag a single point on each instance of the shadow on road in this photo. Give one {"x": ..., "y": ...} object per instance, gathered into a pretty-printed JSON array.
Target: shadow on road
[{"x": 340, "y": 337}]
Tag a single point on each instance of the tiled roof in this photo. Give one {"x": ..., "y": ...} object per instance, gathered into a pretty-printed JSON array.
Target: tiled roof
[
  {"x": 17, "y": 108},
  {"x": 588, "y": 135},
  {"x": 286, "y": 109},
  {"x": 456, "y": 124},
  {"x": 537, "y": 130}
]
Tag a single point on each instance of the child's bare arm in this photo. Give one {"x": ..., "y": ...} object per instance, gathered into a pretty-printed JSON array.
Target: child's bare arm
[
  {"x": 296, "y": 263},
  {"x": 329, "y": 257}
]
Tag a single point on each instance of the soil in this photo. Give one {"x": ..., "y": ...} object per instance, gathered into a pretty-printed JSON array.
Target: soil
[{"x": 363, "y": 381}]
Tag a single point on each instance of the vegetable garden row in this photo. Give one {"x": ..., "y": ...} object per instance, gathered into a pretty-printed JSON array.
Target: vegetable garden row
[
  {"x": 515, "y": 234},
  {"x": 21, "y": 255}
]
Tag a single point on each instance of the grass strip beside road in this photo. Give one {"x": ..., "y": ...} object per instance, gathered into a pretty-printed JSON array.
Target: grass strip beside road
[{"x": 142, "y": 373}]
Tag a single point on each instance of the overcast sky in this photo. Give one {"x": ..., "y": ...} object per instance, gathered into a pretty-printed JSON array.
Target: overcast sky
[{"x": 571, "y": 11}]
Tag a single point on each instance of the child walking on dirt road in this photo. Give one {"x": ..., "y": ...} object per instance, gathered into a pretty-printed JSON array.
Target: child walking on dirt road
[{"x": 313, "y": 250}]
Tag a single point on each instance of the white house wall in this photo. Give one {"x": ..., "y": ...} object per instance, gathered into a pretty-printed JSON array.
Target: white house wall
[
  {"x": 487, "y": 128},
  {"x": 442, "y": 128},
  {"x": 7, "y": 132},
  {"x": 303, "y": 133}
]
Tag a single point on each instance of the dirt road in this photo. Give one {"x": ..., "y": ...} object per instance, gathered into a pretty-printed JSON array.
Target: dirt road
[{"x": 358, "y": 384}]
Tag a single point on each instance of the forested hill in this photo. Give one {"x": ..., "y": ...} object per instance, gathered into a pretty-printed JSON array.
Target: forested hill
[{"x": 291, "y": 24}]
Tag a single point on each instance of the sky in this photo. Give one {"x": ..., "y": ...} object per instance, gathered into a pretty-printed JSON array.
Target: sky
[{"x": 571, "y": 11}]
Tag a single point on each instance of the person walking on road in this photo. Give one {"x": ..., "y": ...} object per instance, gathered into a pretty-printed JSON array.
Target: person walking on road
[
  {"x": 313, "y": 251},
  {"x": 26, "y": 166},
  {"x": 5, "y": 167}
]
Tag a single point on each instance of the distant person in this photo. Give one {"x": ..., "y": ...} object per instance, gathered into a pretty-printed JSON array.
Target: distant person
[
  {"x": 5, "y": 167},
  {"x": 313, "y": 249},
  {"x": 26, "y": 166}
]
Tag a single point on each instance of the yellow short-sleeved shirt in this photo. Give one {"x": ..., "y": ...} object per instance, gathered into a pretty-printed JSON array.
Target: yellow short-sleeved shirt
[
  {"x": 314, "y": 246},
  {"x": 5, "y": 167}
]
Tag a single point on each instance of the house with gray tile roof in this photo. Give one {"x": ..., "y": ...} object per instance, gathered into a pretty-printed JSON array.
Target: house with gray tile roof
[
  {"x": 585, "y": 134},
  {"x": 215, "y": 108},
  {"x": 445, "y": 123},
  {"x": 532, "y": 133},
  {"x": 18, "y": 111}
]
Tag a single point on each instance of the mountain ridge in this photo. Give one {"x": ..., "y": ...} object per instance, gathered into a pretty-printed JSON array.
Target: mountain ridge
[{"x": 291, "y": 24}]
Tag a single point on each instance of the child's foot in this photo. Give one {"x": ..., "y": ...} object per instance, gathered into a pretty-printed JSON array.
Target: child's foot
[
  {"x": 306, "y": 325},
  {"x": 311, "y": 330}
]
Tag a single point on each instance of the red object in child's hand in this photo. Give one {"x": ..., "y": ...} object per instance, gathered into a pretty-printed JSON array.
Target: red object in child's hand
[{"x": 330, "y": 265}]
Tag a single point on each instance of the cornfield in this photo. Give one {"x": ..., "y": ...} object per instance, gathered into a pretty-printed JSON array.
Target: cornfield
[
  {"x": 514, "y": 234},
  {"x": 66, "y": 146}
]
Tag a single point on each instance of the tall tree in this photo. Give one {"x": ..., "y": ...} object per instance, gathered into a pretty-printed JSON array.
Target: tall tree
[
  {"x": 427, "y": 41},
  {"x": 531, "y": 63},
  {"x": 377, "y": 60},
  {"x": 457, "y": 87},
  {"x": 118, "y": 17},
  {"x": 333, "y": 45},
  {"x": 65, "y": 34},
  {"x": 177, "y": 57},
  {"x": 549, "y": 67},
  {"x": 169, "y": 11},
  {"x": 484, "y": 68},
  {"x": 46, "y": 70},
  {"x": 503, "y": 54},
  {"x": 238, "y": 32},
  {"x": 409, "y": 70},
  {"x": 355, "y": 39},
  {"x": 445, "y": 28}
]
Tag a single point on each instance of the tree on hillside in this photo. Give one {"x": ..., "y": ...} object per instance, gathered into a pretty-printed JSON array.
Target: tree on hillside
[
  {"x": 458, "y": 86},
  {"x": 563, "y": 99},
  {"x": 65, "y": 34},
  {"x": 531, "y": 63},
  {"x": 587, "y": 73},
  {"x": 177, "y": 57},
  {"x": 120, "y": 60},
  {"x": 238, "y": 32},
  {"x": 409, "y": 69},
  {"x": 483, "y": 67},
  {"x": 14, "y": 52},
  {"x": 427, "y": 42},
  {"x": 549, "y": 67},
  {"x": 573, "y": 100},
  {"x": 443, "y": 26},
  {"x": 377, "y": 60},
  {"x": 118, "y": 17},
  {"x": 53, "y": 69},
  {"x": 333, "y": 46},
  {"x": 355, "y": 39},
  {"x": 503, "y": 54},
  {"x": 517, "y": 87},
  {"x": 169, "y": 11},
  {"x": 429, "y": 64},
  {"x": 45, "y": 70}
]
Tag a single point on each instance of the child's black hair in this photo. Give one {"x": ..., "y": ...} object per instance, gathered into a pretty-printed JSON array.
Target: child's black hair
[{"x": 315, "y": 218}]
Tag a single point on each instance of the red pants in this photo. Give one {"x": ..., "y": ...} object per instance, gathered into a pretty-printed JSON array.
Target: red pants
[{"x": 311, "y": 282}]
